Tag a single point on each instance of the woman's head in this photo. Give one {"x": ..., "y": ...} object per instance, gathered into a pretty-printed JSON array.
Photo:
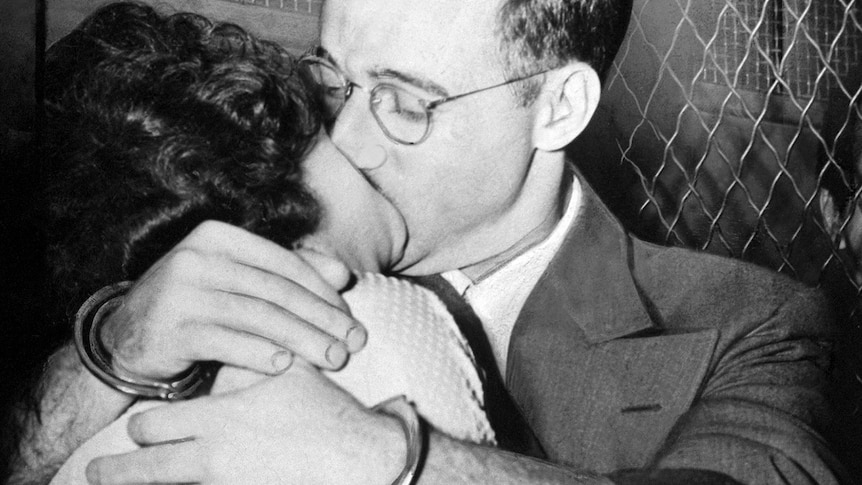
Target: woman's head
[{"x": 156, "y": 123}]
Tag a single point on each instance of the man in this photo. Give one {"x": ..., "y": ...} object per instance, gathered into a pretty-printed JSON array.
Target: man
[{"x": 631, "y": 363}]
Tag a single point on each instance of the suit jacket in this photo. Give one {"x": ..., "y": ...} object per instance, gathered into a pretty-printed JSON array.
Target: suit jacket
[{"x": 632, "y": 356}]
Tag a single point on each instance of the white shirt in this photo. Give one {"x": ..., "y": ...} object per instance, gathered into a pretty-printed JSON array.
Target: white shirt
[{"x": 497, "y": 299}]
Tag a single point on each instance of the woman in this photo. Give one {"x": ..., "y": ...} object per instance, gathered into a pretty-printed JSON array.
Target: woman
[{"x": 156, "y": 124}]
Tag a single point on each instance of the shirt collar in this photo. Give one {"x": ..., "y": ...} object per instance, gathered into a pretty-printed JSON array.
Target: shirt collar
[{"x": 539, "y": 254}]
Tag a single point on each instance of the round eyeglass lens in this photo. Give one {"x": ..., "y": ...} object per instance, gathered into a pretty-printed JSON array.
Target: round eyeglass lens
[{"x": 401, "y": 115}]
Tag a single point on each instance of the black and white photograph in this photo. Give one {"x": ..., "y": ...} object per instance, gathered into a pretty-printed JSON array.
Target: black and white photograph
[{"x": 419, "y": 242}]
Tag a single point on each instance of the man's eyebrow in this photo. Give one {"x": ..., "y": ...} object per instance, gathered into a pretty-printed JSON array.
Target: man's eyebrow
[
  {"x": 420, "y": 82},
  {"x": 413, "y": 80}
]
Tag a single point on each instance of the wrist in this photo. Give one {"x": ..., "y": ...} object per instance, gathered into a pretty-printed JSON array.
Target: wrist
[
  {"x": 404, "y": 443},
  {"x": 65, "y": 370},
  {"x": 105, "y": 334},
  {"x": 109, "y": 336},
  {"x": 99, "y": 360},
  {"x": 390, "y": 451}
]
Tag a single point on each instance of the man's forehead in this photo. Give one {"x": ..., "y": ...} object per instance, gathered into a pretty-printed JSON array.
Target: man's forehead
[
  {"x": 441, "y": 29},
  {"x": 398, "y": 9}
]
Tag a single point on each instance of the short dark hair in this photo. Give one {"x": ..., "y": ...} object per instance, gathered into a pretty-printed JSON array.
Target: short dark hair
[
  {"x": 156, "y": 123},
  {"x": 544, "y": 34}
]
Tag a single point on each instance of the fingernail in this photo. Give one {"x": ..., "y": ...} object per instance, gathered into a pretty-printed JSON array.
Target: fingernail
[
  {"x": 356, "y": 338},
  {"x": 281, "y": 361},
  {"x": 336, "y": 355}
]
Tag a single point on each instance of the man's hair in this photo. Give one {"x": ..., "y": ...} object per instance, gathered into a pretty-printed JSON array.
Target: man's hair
[
  {"x": 545, "y": 34},
  {"x": 156, "y": 123}
]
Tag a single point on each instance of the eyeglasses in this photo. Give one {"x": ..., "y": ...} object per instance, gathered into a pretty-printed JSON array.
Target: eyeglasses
[{"x": 404, "y": 117}]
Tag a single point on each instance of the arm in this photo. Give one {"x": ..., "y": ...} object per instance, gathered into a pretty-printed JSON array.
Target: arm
[
  {"x": 222, "y": 294},
  {"x": 72, "y": 406},
  {"x": 758, "y": 416},
  {"x": 301, "y": 428},
  {"x": 455, "y": 462}
]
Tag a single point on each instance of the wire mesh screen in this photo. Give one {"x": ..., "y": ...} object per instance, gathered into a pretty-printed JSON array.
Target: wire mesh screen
[
  {"x": 733, "y": 126},
  {"x": 735, "y": 131},
  {"x": 792, "y": 43}
]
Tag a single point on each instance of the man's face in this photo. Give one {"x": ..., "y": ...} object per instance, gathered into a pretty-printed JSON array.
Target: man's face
[
  {"x": 469, "y": 191},
  {"x": 359, "y": 226}
]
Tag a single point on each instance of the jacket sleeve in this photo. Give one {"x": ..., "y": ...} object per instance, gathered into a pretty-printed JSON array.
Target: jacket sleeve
[{"x": 757, "y": 416}]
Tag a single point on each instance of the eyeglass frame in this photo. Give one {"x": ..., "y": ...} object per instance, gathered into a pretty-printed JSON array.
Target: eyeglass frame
[{"x": 320, "y": 55}]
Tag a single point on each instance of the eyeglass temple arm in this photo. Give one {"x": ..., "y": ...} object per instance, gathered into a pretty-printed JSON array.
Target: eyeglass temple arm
[{"x": 437, "y": 102}]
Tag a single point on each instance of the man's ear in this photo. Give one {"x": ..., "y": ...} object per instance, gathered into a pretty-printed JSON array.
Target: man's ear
[{"x": 565, "y": 105}]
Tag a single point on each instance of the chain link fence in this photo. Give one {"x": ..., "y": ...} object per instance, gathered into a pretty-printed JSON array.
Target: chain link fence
[{"x": 733, "y": 126}]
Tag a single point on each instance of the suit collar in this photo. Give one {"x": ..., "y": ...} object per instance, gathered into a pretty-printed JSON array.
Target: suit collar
[{"x": 589, "y": 282}]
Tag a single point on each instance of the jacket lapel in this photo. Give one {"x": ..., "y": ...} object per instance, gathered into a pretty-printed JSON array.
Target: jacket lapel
[{"x": 588, "y": 362}]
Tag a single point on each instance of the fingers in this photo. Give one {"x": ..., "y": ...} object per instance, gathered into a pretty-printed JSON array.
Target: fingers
[
  {"x": 249, "y": 332},
  {"x": 234, "y": 329},
  {"x": 258, "y": 252},
  {"x": 172, "y": 424},
  {"x": 227, "y": 295},
  {"x": 170, "y": 453},
  {"x": 180, "y": 462},
  {"x": 290, "y": 279},
  {"x": 305, "y": 305},
  {"x": 238, "y": 349}
]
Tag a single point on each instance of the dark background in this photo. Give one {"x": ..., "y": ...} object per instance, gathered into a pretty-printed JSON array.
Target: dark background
[{"x": 20, "y": 249}]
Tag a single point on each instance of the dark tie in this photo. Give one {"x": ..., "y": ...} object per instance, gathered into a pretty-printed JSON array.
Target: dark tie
[{"x": 511, "y": 428}]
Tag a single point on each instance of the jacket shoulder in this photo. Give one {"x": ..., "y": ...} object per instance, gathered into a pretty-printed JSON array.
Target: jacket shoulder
[{"x": 686, "y": 289}]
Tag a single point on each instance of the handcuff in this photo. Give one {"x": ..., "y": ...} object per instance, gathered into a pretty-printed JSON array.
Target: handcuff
[
  {"x": 97, "y": 359},
  {"x": 405, "y": 413}
]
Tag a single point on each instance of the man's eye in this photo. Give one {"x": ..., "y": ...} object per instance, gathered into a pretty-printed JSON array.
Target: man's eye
[
  {"x": 411, "y": 115},
  {"x": 407, "y": 110}
]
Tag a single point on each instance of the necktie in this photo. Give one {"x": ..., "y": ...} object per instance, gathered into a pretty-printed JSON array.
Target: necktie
[{"x": 511, "y": 428}]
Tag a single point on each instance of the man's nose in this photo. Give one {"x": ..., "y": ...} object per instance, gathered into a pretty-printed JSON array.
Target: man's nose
[{"x": 357, "y": 135}]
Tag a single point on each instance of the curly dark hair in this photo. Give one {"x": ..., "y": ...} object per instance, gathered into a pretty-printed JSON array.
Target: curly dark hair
[{"x": 156, "y": 123}]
